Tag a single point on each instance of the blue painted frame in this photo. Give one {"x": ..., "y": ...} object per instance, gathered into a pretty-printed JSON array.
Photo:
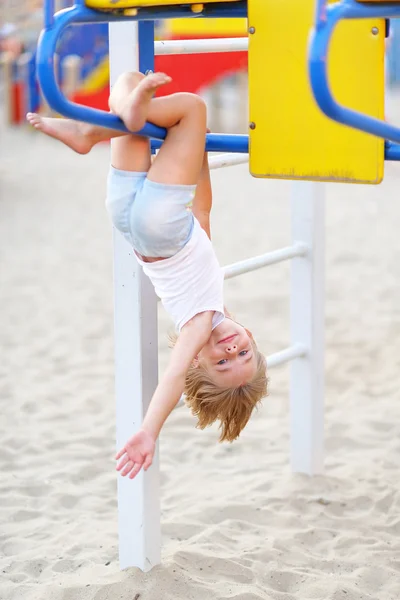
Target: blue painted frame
[
  {"x": 79, "y": 13},
  {"x": 326, "y": 19}
]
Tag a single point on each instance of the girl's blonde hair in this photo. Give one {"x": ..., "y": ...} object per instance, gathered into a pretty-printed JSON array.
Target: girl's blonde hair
[{"x": 231, "y": 406}]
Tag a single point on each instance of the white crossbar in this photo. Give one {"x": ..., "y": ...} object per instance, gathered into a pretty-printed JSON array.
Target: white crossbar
[
  {"x": 265, "y": 260},
  {"x": 201, "y": 46},
  {"x": 227, "y": 160},
  {"x": 284, "y": 356}
]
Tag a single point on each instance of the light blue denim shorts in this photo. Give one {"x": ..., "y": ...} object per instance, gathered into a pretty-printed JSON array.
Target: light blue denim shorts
[{"x": 156, "y": 219}]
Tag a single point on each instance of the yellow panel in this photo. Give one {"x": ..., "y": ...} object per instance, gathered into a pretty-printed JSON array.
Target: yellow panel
[
  {"x": 207, "y": 27},
  {"x": 292, "y": 138},
  {"x": 117, "y": 4}
]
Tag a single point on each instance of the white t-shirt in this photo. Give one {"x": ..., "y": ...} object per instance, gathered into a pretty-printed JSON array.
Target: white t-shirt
[{"x": 190, "y": 282}]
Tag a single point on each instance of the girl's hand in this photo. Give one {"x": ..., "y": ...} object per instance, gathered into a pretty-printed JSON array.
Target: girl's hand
[{"x": 138, "y": 452}]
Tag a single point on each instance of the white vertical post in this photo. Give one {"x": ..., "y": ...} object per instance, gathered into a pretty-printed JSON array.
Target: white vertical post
[
  {"x": 71, "y": 74},
  {"x": 307, "y": 328},
  {"x": 136, "y": 363},
  {"x": 6, "y": 63}
]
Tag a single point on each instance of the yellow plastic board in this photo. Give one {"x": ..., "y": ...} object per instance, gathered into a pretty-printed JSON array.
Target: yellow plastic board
[
  {"x": 292, "y": 138},
  {"x": 207, "y": 27},
  {"x": 117, "y": 4}
]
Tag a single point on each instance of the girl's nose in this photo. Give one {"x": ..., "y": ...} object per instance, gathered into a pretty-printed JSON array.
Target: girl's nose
[{"x": 231, "y": 349}]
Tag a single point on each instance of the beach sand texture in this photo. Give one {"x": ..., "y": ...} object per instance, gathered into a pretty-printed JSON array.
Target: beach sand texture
[{"x": 236, "y": 524}]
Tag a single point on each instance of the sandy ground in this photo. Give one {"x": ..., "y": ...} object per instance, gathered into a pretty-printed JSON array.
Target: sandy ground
[{"x": 236, "y": 523}]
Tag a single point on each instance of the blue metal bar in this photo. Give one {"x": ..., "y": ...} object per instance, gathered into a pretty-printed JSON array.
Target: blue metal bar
[
  {"x": 32, "y": 87},
  {"x": 56, "y": 99},
  {"x": 146, "y": 46},
  {"x": 353, "y": 9},
  {"x": 392, "y": 151},
  {"x": 146, "y": 50},
  {"x": 48, "y": 13},
  {"x": 327, "y": 19},
  {"x": 51, "y": 91},
  {"x": 219, "y": 142}
]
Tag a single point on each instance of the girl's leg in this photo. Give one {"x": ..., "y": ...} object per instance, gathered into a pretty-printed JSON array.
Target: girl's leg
[
  {"x": 184, "y": 115},
  {"x": 79, "y": 136},
  {"x": 180, "y": 158},
  {"x": 128, "y": 152}
]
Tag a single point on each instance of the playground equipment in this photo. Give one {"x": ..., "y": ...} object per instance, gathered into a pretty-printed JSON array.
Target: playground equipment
[
  {"x": 319, "y": 150},
  {"x": 277, "y": 63},
  {"x": 393, "y": 53},
  {"x": 327, "y": 19}
]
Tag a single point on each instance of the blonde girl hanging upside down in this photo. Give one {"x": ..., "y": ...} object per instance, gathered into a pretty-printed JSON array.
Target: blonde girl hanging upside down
[{"x": 162, "y": 208}]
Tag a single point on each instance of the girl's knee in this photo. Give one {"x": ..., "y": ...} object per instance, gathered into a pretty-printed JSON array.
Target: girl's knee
[
  {"x": 189, "y": 100},
  {"x": 195, "y": 107}
]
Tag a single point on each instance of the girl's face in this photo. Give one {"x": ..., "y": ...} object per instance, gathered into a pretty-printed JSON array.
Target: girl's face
[{"x": 229, "y": 356}]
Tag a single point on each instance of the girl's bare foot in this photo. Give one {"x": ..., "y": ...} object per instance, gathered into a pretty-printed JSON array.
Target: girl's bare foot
[
  {"x": 73, "y": 134},
  {"x": 134, "y": 113}
]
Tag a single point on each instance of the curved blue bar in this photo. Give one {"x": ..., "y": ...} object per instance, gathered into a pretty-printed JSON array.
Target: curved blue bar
[
  {"x": 327, "y": 19},
  {"x": 56, "y": 99}
]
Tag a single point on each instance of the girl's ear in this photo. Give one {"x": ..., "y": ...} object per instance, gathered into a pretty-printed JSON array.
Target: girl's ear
[
  {"x": 195, "y": 362},
  {"x": 249, "y": 334}
]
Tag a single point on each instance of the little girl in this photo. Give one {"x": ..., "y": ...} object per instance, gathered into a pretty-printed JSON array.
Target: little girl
[{"x": 162, "y": 208}]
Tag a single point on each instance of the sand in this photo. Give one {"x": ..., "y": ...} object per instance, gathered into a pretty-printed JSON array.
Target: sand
[{"x": 236, "y": 523}]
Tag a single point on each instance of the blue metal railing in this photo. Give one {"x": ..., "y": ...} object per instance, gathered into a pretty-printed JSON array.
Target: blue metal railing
[
  {"x": 79, "y": 13},
  {"x": 327, "y": 17}
]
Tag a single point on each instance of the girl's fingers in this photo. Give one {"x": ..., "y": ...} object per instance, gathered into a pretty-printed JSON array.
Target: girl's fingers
[
  {"x": 148, "y": 461},
  {"x": 123, "y": 462},
  {"x": 127, "y": 468},
  {"x": 120, "y": 453},
  {"x": 135, "y": 470}
]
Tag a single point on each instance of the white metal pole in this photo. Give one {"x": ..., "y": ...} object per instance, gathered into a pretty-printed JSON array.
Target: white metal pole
[
  {"x": 71, "y": 74},
  {"x": 227, "y": 160},
  {"x": 201, "y": 46},
  {"x": 307, "y": 328},
  {"x": 136, "y": 363},
  {"x": 264, "y": 260},
  {"x": 6, "y": 63},
  {"x": 23, "y": 77}
]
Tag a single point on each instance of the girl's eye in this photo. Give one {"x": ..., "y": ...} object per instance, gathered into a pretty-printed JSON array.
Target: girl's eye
[
  {"x": 222, "y": 362},
  {"x": 243, "y": 353}
]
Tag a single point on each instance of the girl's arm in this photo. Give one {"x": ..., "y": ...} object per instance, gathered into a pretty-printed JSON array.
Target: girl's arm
[
  {"x": 139, "y": 449},
  {"x": 172, "y": 384}
]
